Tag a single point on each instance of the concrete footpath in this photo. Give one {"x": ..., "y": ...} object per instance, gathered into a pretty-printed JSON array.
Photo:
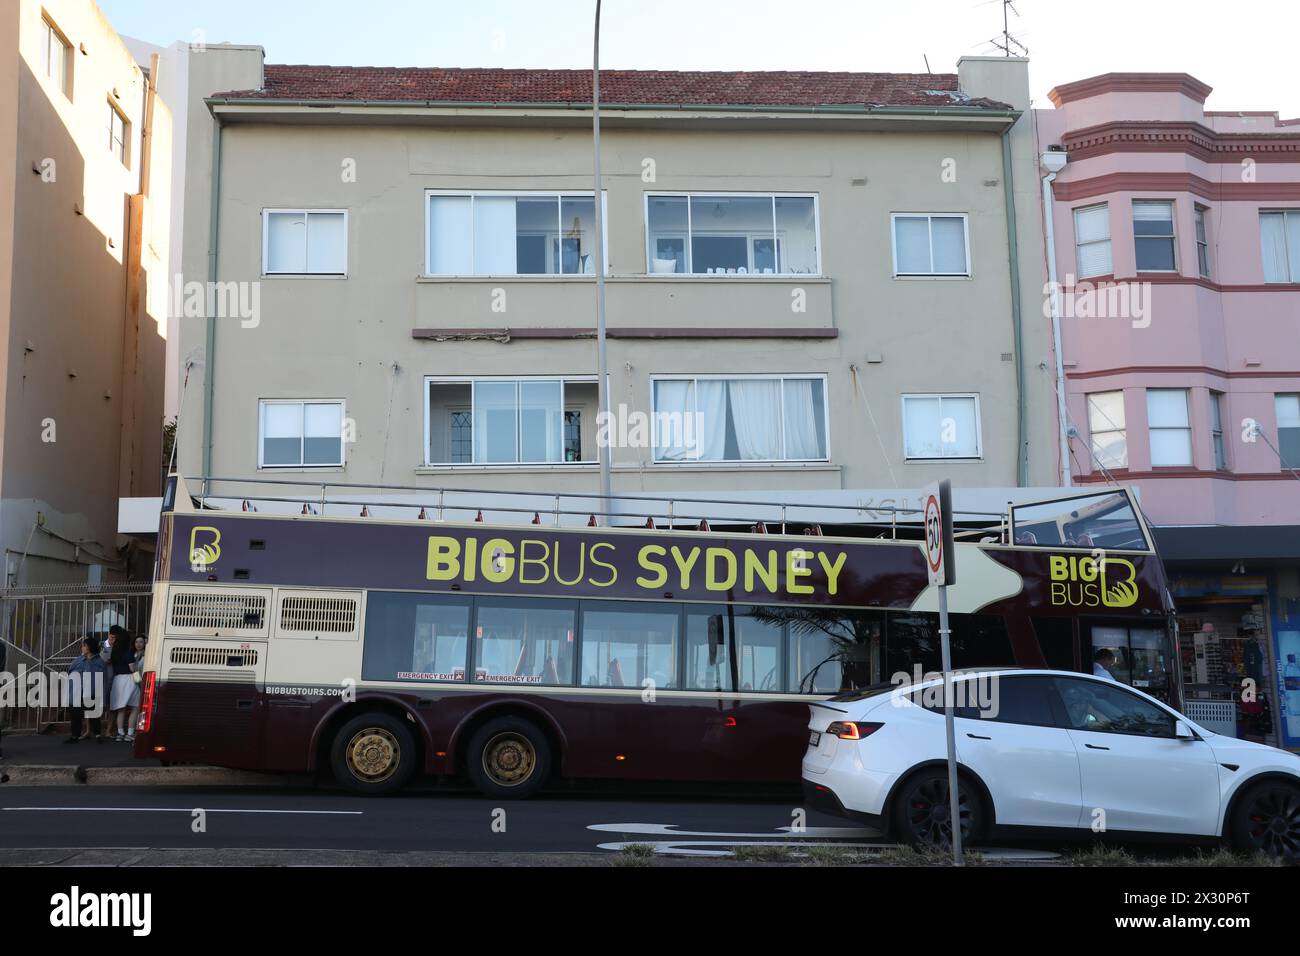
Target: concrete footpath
[{"x": 45, "y": 760}]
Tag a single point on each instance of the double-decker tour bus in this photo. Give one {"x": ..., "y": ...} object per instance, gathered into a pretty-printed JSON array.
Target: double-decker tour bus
[{"x": 377, "y": 641}]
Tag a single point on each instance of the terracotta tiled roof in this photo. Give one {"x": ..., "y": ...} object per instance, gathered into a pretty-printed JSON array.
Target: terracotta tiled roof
[{"x": 632, "y": 87}]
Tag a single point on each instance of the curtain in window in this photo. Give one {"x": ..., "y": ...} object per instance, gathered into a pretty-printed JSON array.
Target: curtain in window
[
  {"x": 281, "y": 434},
  {"x": 1167, "y": 422},
  {"x": 949, "y": 244},
  {"x": 1092, "y": 239},
  {"x": 322, "y": 434},
  {"x": 286, "y": 243},
  {"x": 912, "y": 244},
  {"x": 803, "y": 412},
  {"x": 450, "y": 226},
  {"x": 326, "y": 243},
  {"x": 1273, "y": 228},
  {"x": 674, "y": 437},
  {"x": 712, "y": 423},
  {"x": 756, "y": 418},
  {"x": 541, "y": 413},
  {"x": 495, "y": 422},
  {"x": 494, "y": 235}
]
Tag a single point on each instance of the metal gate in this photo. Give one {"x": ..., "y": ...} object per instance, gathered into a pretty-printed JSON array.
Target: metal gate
[{"x": 41, "y": 629}]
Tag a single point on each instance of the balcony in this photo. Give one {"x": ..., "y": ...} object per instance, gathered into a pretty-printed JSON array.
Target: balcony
[{"x": 637, "y": 306}]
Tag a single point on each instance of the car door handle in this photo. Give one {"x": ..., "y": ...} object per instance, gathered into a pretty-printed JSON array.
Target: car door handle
[
  {"x": 1096, "y": 747},
  {"x": 978, "y": 737}
]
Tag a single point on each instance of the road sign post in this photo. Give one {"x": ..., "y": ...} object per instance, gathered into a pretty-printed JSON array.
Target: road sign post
[{"x": 937, "y": 509}]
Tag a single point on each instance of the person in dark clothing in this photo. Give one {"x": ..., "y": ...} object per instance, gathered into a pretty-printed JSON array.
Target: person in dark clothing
[
  {"x": 87, "y": 690},
  {"x": 121, "y": 684}
]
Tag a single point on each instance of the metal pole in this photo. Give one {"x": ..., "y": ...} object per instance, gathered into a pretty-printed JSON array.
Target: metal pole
[
  {"x": 954, "y": 817},
  {"x": 602, "y": 448}
]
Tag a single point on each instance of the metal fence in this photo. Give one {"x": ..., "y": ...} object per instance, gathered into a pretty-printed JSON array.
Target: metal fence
[{"x": 41, "y": 629}]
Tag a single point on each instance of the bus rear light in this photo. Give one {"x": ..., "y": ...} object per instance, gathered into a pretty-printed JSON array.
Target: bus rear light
[
  {"x": 160, "y": 750},
  {"x": 728, "y": 721},
  {"x": 852, "y": 729},
  {"x": 146, "y": 702}
]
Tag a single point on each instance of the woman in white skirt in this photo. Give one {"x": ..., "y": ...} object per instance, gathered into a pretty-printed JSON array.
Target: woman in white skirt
[
  {"x": 137, "y": 673},
  {"x": 124, "y": 694}
]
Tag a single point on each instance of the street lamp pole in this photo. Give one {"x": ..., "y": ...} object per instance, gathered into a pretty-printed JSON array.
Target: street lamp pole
[{"x": 602, "y": 447}]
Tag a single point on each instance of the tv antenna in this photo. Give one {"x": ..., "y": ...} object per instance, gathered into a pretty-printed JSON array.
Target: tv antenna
[{"x": 1008, "y": 44}]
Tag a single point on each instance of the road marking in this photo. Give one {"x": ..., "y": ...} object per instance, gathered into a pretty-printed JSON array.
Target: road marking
[
  {"x": 356, "y": 813},
  {"x": 691, "y": 847},
  {"x": 670, "y": 829}
]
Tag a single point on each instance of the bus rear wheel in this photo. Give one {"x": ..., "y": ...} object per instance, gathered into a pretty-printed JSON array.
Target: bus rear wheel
[
  {"x": 509, "y": 758},
  {"x": 373, "y": 754}
]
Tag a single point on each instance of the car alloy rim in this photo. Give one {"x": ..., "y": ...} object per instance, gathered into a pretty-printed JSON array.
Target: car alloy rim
[
  {"x": 928, "y": 813},
  {"x": 1274, "y": 821},
  {"x": 509, "y": 759},
  {"x": 373, "y": 755}
]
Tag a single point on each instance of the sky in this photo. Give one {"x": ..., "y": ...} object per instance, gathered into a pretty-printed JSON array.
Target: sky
[{"x": 1245, "y": 49}]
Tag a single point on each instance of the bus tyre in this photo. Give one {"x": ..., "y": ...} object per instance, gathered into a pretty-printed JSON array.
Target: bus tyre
[
  {"x": 1267, "y": 820},
  {"x": 509, "y": 758},
  {"x": 922, "y": 810},
  {"x": 373, "y": 754}
]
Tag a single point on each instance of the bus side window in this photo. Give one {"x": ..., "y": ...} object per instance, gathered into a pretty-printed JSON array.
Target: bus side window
[
  {"x": 708, "y": 660},
  {"x": 1056, "y": 641}
]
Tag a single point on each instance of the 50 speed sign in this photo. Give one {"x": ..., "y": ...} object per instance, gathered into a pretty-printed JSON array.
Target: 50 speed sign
[{"x": 936, "y": 507}]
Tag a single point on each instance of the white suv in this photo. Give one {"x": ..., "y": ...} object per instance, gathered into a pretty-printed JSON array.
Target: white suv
[{"x": 1041, "y": 752}]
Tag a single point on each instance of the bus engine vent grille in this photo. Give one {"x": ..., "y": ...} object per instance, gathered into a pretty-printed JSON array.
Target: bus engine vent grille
[
  {"x": 219, "y": 611},
  {"x": 328, "y": 615},
  {"x": 214, "y": 656}
]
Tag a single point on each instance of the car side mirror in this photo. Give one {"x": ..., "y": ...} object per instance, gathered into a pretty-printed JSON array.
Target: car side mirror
[{"x": 1182, "y": 731}]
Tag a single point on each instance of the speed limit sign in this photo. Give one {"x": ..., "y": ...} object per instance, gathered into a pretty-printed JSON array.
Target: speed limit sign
[{"x": 937, "y": 515}]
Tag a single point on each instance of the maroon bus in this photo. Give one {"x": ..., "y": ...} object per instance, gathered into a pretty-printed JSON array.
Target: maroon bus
[{"x": 378, "y": 641}]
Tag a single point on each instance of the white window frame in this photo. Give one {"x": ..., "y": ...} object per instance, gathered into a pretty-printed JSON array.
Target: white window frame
[
  {"x": 1189, "y": 429},
  {"x": 1220, "y": 449},
  {"x": 979, "y": 425},
  {"x": 1114, "y": 429},
  {"x": 123, "y": 155},
  {"x": 1172, "y": 237},
  {"x": 721, "y": 194},
  {"x": 559, "y": 194},
  {"x": 266, "y": 240},
  {"x": 50, "y": 34},
  {"x": 930, "y": 216},
  {"x": 1286, "y": 213},
  {"x": 697, "y": 377},
  {"x": 262, "y": 403},
  {"x": 1201, "y": 230},
  {"x": 1283, "y": 463},
  {"x": 1110, "y": 249},
  {"x": 565, "y": 381}
]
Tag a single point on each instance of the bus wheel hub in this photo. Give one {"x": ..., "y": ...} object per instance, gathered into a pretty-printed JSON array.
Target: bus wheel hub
[
  {"x": 373, "y": 754},
  {"x": 509, "y": 759}
]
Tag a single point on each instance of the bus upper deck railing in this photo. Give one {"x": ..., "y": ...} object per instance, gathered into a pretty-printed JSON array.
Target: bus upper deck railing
[{"x": 669, "y": 512}]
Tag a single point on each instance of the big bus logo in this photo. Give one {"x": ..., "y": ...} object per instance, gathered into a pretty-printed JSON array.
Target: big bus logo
[
  {"x": 1086, "y": 581},
  {"x": 204, "y": 553}
]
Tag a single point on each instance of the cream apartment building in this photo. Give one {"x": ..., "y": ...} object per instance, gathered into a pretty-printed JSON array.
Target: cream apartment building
[
  {"x": 84, "y": 214},
  {"x": 838, "y": 275}
]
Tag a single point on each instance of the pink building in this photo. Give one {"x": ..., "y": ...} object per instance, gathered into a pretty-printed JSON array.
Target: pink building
[{"x": 1176, "y": 240}]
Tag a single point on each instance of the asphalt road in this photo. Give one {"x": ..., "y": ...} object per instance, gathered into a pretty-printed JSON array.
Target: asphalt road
[{"x": 82, "y": 818}]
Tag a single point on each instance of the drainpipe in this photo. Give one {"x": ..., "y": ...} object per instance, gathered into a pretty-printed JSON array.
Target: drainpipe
[
  {"x": 1054, "y": 161},
  {"x": 210, "y": 342},
  {"x": 1013, "y": 257}
]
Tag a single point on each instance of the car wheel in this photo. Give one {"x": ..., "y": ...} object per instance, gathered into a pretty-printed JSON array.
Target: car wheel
[
  {"x": 509, "y": 758},
  {"x": 373, "y": 754},
  {"x": 1267, "y": 820},
  {"x": 922, "y": 810}
]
